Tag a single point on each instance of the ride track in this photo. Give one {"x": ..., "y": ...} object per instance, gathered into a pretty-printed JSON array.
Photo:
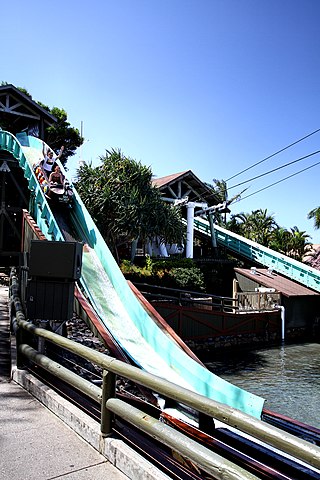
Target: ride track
[
  {"x": 119, "y": 310},
  {"x": 259, "y": 460},
  {"x": 253, "y": 251},
  {"x": 128, "y": 322}
]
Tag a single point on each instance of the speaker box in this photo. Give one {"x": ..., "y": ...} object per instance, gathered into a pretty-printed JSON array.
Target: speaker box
[
  {"x": 50, "y": 300},
  {"x": 49, "y": 259}
]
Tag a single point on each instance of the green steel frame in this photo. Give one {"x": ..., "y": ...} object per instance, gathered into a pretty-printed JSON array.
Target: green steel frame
[
  {"x": 255, "y": 252},
  {"x": 38, "y": 205}
]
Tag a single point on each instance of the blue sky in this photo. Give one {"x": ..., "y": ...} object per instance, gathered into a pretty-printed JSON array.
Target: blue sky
[{"x": 213, "y": 86}]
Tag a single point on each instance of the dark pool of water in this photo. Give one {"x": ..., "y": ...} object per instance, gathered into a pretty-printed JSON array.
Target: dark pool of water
[{"x": 287, "y": 377}]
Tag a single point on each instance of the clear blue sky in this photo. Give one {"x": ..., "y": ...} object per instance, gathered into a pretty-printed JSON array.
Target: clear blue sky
[{"x": 208, "y": 85}]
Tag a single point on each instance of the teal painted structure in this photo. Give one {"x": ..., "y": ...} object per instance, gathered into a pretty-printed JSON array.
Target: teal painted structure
[
  {"x": 297, "y": 271},
  {"x": 38, "y": 206},
  {"x": 114, "y": 302}
]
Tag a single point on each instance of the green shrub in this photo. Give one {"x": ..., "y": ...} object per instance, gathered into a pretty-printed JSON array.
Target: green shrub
[
  {"x": 188, "y": 278},
  {"x": 181, "y": 274},
  {"x": 135, "y": 273}
]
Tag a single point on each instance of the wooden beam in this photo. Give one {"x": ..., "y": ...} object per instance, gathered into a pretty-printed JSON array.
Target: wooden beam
[
  {"x": 174, "y": 195},
  {"x": 192, "y": 190},
  {"x": 11, "y": 109},
  {"x": 35, "y": 117},
  {"x": 19, "y": 189},
  {"x": 4, "y": 213}
]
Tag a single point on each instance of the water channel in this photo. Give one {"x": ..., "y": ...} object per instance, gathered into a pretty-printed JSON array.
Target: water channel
[{"x": 287, "y": 377}]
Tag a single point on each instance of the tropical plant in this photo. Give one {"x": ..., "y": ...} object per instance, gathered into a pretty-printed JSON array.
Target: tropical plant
[
  {"x": 220, "y": 191},
  {"x": 188, "y": 278},
  {"x": 315, "y": 215},
  {"x": 62, "y": 133},
  {"x": 257, "y": 226},
  {"x": 281, "y": 240},
  {"x": 125, "y": 205},
  {"x": 234, "y": 224},
  {"x": 56, "y": 135},
  {"x": 299, "y": 244}
]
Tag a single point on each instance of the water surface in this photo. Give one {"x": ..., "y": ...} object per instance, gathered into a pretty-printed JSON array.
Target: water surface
[{"x": 288, "y": 377}]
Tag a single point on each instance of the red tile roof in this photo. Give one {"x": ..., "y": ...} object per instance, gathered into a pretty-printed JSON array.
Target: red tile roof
[{"x": 159, "y": 182}]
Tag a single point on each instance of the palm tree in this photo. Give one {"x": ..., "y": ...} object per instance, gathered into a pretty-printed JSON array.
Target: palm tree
[
  {"x": 220, "y": 191},
  {"x": 280, "y": 240},
  {"x": 125, "y": 205},
  {"x": 235, "y": 223},
  {"x": 258, "y": 226},
  {"x": 315, "y": 214},
  {"x": 298, "y": 244}
]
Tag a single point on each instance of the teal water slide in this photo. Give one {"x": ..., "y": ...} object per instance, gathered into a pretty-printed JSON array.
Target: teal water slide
[
  {"x": 114, "y": 302},
  {"x": 297, "y": 271}
]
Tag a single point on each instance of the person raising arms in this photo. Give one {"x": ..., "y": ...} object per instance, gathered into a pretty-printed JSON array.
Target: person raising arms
[{"x": 49, "y": 160}]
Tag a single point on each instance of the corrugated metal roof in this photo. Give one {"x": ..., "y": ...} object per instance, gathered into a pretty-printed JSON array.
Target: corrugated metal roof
[{"x": 271, "y": 279}]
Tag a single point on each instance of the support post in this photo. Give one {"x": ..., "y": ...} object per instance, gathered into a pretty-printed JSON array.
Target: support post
[
  {"x": 213, "y": 233},
  {"x": 108, "y": 391},
  {"x": 283, "y": 322},
  {"x": 20, "y": 360},
  {"x": 190, "y": 221}
]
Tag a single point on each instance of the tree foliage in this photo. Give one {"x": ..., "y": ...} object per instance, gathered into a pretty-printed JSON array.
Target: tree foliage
[
  {"x": 123, "y": 202},
  {"x": 299, "y": 243},
  {"x": 220, "y": 190},
  {"x": 315, "y": 215},
  {"x": 56, "y": 135},
  {"x": 179, "y": 273},
  {"x": 261, "y": 227},
  {"x": 62, "y": 133}
]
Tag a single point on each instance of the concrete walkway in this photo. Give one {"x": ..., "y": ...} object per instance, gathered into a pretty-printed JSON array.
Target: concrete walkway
[
  {"x": 45, "y": 437},
  {"x": 36, "y": 445}
]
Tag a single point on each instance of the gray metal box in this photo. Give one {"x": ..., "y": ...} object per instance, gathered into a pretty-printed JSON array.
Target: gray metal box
[
  {"x": 49, "y": 300},
  {"x": 51, "y": 259}
]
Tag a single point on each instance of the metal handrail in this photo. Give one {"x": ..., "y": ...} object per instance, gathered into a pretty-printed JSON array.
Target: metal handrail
[
  {"x": 289, "y": 267},
  {"x": 271, "y": 435},
  {"x": 188, "y": 297}
]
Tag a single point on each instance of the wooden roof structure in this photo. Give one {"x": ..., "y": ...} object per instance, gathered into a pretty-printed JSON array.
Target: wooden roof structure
[
  {"x": 23, "y": 113},
  {"x": 270, "y": 279},
  {"x": 185, "y": 184}
]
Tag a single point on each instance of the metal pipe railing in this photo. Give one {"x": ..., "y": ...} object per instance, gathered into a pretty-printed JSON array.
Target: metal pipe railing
[
  {"x": 210, "y": 462},
  {"x": 266, "y": 433},
  {"x": 207, "y": 460},
  {"x": 188, "y": 297}
]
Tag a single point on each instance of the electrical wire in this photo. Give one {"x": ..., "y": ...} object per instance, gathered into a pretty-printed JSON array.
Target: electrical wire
[
  {"x": 274, "y": 154},
  {"x": 279, "y": 181},
  {"x": 275, "y": 169}
]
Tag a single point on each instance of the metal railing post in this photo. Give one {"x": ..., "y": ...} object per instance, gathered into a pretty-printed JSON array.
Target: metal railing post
[
  {"x": 20, "y": 359},
  {"x": 108, "y": 391}
]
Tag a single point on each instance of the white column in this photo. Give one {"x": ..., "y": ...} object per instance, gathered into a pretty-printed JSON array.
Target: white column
[
  {"x": 149, "y": 248},
  {"x": 163, "y": 250},
  {"x": 190, "y": 219}
]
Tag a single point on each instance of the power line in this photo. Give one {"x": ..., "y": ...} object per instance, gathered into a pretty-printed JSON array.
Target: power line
[
  {"x": 274, "y": 154},
  {"x": 279, "y": 181},
  {"x": 275, "y": 169}
]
